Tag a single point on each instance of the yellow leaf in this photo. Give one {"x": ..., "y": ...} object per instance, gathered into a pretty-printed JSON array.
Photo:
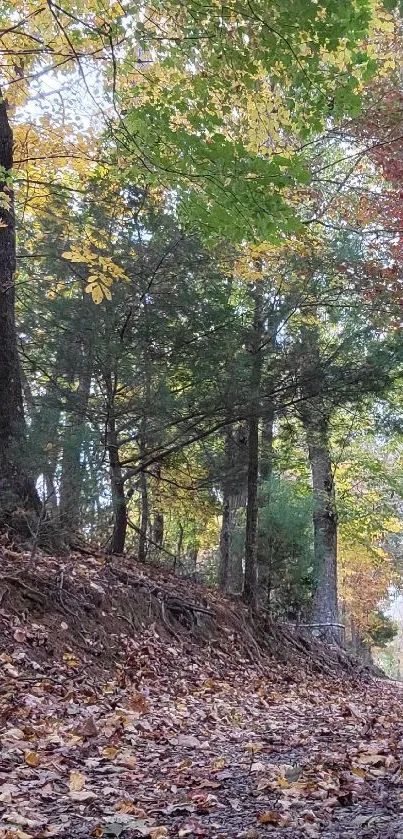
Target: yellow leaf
[
  {"x": 254, "y": 747},
  {"x": 110, "y": 752},
  {"x": 185, "y": 764},
  {"x": 96, "y": 294},
  {"x": 219, "y": 764},
  {"x": 128, "y": 807},
  {"x": 357, "y": 771},
  {"x": 76, "y": 781},
  {"x": 129, "y": 761},
  {"x": 31, "y": 758},
  {"x": 270, "y": 817},
  {"x": 71, "y": 660},
  {"x": 73, "y": 256},
  {"x": 158, "y": 832}
]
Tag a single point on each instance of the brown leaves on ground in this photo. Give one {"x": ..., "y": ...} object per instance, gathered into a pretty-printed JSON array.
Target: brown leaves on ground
[{"x": 187, "y": 740}]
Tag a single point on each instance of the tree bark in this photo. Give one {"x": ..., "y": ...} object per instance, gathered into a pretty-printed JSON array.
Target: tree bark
[
  {"x": 234, "y": 493},
  {"x": 325, "y": 528},
  {"x": 315, "y": 417},
  {"x": 266, "y": 459},
  {"x": 158, "y": 529},
  {"x": 14, "y": 480},
  {"x": 158, "y": 523},
  {"x": 265, "y": 540},
  {"x": 144, "y": 518},
  {"x": 224, "y": 570},
  {"x": 225, "y": 542},
  {"x": 250, "y": 592},
  {"x": 119, "y": 504}
]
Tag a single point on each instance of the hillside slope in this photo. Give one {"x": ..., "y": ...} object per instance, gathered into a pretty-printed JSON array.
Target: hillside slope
[{"x": 134, "y": 705}]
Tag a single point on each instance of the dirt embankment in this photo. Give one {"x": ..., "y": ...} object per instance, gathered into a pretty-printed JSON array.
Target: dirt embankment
[
  {"x": 134, "y": 704},
  {"x": 91, "y": 607}
]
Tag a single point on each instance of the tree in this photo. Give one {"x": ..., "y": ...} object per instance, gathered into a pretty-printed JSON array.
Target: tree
[{"x": 15, "y": 482}]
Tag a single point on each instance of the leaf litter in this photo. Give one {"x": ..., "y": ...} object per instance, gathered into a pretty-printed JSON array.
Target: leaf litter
[{"x": 181, "y": 736}]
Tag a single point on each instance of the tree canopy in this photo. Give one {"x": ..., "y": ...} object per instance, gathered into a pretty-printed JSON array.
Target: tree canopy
[{"x": 200, "y": 307}]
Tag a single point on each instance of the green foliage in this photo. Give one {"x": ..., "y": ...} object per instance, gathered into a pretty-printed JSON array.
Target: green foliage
[
  {"x": 285, "y": 525},
  {"x": 381, "y": 629},
  {"x": 197, "y": 123}
]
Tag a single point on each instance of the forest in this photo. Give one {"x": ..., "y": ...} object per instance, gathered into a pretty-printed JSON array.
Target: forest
[
  {"x": 201, "y": 419},
  {"x": 201, "y": 295}
]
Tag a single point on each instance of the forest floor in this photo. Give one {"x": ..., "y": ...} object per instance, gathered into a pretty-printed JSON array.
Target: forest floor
[{"x": 134, "y": 705}]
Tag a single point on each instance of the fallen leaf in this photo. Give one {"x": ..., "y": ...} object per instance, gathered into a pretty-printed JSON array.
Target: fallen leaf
[
  {"x": 270, "y": 817},
  {"x": 8, "y": 791},
  {"x": 82, "y": 795},
  {"x": 76, "y": 781},
  {"x": 19, "y": 635},
  {"x": 71, "y": 660},
  {"x": 129, "y": 761},
  {"x": 356, "y": 770},
  {"x": 139, "y": 703},
  {"x": 186, "y": 740},
  {"x": 31, "y": 758},
  {"x": 177, "y": 809},
  {"x": 126, "y": 806},
  {"x": 11, "y": 670},
  {"x": 186, "y": 764},
  {"x": 264, "y": 783},
  {"x": 88, "y": 728},
  {"x": 159, "y": 832},
  {"x": 22, "y": 821},
  {"x": 258, "y": 767},
  {"x": 254, "y": 747},
  {"x": 15, "y": 733},
  {"x": 371, "y": 759},
  {"x": 110, "y": 752},
  {"x": 117, "y": 826},
  {"x": 219, "y": 764},
  {"x": 210, "y": 784}
]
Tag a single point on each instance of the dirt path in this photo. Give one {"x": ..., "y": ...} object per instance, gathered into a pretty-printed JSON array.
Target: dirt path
[{"x": 189, "y": 742}]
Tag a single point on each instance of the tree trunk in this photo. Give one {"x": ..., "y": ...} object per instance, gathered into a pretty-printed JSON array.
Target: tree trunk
[
  {"x": 315, "y": 417},
  {"x": 117, "y": 542},
  {"x": 251, "y": 536},
  {"x": 144, "y": 518},
  {"x": 14, "y": 480},
  {"x": 265, "y": 540},
  {"x": 234, "y": 492},
  {"x": 224, "y": 571},
  {"x": 158, "y": 523},
  {"x": 225, "y": 542},
  {"x": 266, "y": 460},
  {"x": 325, "y": 529},
  {"x": 158, "y": 529},
  {"x": 180, "y": 542}
]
